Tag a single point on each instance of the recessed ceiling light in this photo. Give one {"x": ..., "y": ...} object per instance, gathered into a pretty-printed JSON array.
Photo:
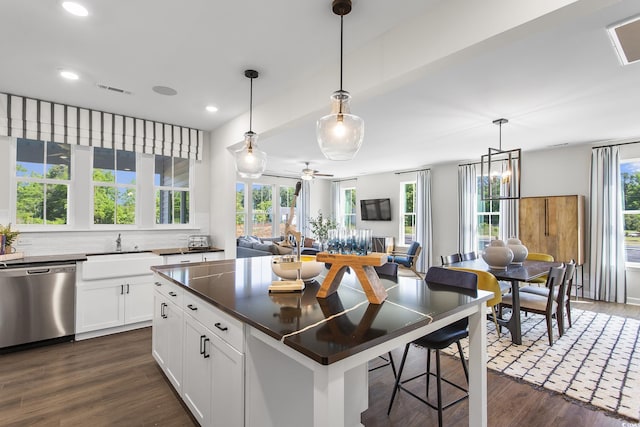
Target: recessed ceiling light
[
  {"x": 75, "y": 8},
  {"x": 164, "y": 90},
  {"x": 69, "y": 75},
  {"x": 211, "y": 108}
]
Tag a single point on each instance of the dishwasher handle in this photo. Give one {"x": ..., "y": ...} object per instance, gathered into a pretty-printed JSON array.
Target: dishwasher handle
[{"x": 38, "y": 271}]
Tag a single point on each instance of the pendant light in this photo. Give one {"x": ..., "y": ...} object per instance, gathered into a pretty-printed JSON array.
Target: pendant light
[
  {"x": 340, "y": 133},
  {"x": 500, "y": 171},
  {"x": 251, "y": 162}
]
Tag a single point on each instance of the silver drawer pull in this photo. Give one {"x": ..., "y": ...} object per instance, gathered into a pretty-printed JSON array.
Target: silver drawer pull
[
  {"x": 173, "y": 294},
  {"x": 219, "y": 326},
  {"x": 191, "y": 307},
  {"x": 158, "y": 284}
]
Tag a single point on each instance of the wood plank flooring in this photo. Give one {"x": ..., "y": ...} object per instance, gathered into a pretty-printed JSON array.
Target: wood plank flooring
[{"x": 114, "y": 381}]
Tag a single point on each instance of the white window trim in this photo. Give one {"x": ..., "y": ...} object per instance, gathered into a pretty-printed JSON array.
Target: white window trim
[
  {"x": 190, "y": 189},
  {"x": 402, "y": 213}
]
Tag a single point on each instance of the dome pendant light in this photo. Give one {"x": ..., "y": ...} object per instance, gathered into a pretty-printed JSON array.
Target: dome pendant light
[
  {"x": 340, "y": 133},
  {"x": 251, "y": 162}
]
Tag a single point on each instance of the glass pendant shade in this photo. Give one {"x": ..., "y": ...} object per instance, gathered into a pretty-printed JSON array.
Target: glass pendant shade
[
  {"x": 340, "y": 134},
  {"x": 251, "y": 162}
]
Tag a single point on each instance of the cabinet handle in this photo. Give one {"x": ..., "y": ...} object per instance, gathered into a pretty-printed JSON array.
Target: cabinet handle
[
  {"x": 162, "y": 313},
  {"x": 185, "y": 260},
  {"x": 127, "y": 288},
  {"x": 191, "y": 307},
  {"x": 158, "y": 284},
  {"x": 121, "y": 289},
  {"x": 202, "y": 349},
  {"x": 204, "y": 346},
  {"x": 546, "y": 217},
  {"x": 173, "y": 294},
  {"x": 219, "y": 326}
]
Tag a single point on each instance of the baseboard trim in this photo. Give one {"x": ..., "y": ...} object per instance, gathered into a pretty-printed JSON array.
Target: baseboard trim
[{"x": 109, "y": 331}]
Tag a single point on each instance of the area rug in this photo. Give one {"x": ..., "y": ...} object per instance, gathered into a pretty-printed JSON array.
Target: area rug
[{"x": 596, "y": 361}]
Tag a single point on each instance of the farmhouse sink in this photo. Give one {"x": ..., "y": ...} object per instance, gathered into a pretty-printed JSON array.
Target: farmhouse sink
[{"x": 121, "y": 264}]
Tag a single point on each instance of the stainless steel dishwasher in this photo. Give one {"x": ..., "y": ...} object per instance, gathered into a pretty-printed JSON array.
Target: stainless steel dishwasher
[{"x": 37, "y": 303}]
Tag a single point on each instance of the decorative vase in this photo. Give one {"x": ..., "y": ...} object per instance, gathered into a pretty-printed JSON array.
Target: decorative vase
[
  {"x": 497, "y": 255},
  {"x": 519, "y": 250}
]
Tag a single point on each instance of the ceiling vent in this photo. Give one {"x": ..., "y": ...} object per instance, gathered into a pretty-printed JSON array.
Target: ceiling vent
[
  {"x": 113, "y": 89},
  {"x": 626, "y": 40}
]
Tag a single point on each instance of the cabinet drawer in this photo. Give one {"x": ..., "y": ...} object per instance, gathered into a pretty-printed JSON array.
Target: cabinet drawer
[
  {"x": 183, "y": 258},
  {"x": 174, "y": 293},
  {"x": 224, "y": 326}
]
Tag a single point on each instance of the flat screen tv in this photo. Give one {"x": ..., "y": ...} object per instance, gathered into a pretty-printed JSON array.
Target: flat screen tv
[{"x": 375, "y": 209}]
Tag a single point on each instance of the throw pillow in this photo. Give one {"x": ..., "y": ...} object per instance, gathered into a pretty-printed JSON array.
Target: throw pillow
[
  {"x": 267, "y": 247},
  {"x": 245, "y": 242},
  {"x": 308, "y": 243},
  {"x": 284, "y": 250}
]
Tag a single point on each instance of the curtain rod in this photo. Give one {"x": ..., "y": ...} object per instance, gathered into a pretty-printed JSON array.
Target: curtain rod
[
  {"x": 411, "y": 171},
  {"x": 280, "y": 176},
  {"x": 346, "y": 179},
  {"x": 616, "y": 145},
  {"x": 469, "y": 164}
]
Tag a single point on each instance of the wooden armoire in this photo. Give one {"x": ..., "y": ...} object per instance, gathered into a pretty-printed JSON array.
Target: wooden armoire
[{"x": 553, "y": 225}]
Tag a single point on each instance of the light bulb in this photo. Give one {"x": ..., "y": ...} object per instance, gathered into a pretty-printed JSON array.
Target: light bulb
[{"x": 339, "y": 129}]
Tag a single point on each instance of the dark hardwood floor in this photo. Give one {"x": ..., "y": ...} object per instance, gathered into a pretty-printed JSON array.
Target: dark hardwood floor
[{"x": 114, "y": 381}]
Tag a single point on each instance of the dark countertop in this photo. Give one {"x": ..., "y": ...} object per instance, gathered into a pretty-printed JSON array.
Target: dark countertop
[
  {"x": 326, "y": 330},
  {"x": 43, "y": 260},
  {"x": 72, "y": 258}
]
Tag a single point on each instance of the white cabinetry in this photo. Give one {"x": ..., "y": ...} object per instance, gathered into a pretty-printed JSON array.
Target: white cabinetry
[
  {"x": 211, "y": 379},
  {"x": 193, "y": 257},
  {"x": 114, "y": 293},
  {"x": 167, "y": 332}
]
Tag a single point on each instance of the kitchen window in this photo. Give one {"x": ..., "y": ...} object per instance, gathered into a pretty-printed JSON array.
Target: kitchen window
[
  {"x": 43, "y": 176},
  {"x": 171, "y": 185},
  {"x": 286, "y": 199},
  {"x": 262, "y": 209},
  {"x": 407, "y": 212},
  {"x": 114, "y": 186}
]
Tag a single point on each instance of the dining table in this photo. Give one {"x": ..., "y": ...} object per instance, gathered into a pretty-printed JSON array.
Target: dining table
[{"x": 515, "y": 274}]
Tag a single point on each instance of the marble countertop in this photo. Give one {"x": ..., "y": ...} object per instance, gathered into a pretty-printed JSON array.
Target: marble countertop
[{"x": 324, "y": 329}]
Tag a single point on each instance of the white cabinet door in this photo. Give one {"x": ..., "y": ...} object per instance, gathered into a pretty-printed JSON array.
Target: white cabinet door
[
  {"x": 99, "y": 305},
  {"x": 138, "y": 294},
  {"x": 196, "y": 386},
  {"x": 228, "y": 385},
  {"x": 167, "y": 338}
]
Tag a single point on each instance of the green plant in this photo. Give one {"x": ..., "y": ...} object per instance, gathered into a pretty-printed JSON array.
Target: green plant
[
  {"x": 9, "y": 234},
  {"x": 321, "y": 225}
]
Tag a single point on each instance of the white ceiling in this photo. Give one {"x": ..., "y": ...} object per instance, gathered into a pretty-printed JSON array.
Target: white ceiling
[{"x": 427, "y": 76}]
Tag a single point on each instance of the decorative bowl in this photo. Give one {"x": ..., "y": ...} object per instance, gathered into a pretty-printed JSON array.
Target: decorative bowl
[
  {"x": 497, "y": 255},
  {"x": 310, "y": 267},
  {"x": 519, "y": 250}
]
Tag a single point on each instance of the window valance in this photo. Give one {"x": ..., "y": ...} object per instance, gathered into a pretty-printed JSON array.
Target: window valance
[{"x": 30, "y": 118}]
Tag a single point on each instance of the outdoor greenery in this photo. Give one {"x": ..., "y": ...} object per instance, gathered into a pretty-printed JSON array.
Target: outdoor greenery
[
  {"x": 33, "y": 199},
  {"x": 112, "y": 204},
  {"x": 631, "y": 202}
]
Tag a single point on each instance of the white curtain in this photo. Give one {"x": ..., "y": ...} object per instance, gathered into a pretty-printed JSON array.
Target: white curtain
[
  {"x": 467, "y": 208},
  {"x": 335, "y": 201},
  {"x": 607, "y": 269},
  {"x": 423, "y": 219}
]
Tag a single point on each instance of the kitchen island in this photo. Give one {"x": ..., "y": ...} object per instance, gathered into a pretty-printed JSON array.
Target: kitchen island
[{"x": 299, "y": 360}]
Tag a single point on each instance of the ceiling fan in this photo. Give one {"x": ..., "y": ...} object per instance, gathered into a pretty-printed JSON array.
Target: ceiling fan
[{"x": 308, "y": 174}]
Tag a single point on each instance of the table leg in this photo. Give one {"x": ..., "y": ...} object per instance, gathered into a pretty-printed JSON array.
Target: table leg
[{"x": 513, "y": 324}]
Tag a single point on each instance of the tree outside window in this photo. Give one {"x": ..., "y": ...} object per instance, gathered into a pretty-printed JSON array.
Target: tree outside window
[
  {"x": 241, "y": 211},
  {"x": 114, "y": 186},
  {"x": 262, "y": 208},
  {"x": 488, "y": 215},
  {"x": 43, "y": 174},
  {"x": 630, "y": 177},
  {"x": 172, "y": 184},
  {"x": 408, "y": 212},
  {"x": 349, "y": 208}
]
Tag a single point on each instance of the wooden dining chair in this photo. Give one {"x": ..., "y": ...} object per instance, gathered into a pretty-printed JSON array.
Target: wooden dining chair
[
  {"x": 469, "y": 256},
  {"x": 549, "y": 306},
  {"x": 456, "y": 281},
  {"x": 544, "y": 291},
  {"x": 407, "y": 259},
  {"x": 537, "y": 256},
  {"x": 450, "y": 259}
]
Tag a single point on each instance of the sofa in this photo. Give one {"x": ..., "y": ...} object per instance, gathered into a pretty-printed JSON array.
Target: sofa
[{"x": 253, "y": 246}]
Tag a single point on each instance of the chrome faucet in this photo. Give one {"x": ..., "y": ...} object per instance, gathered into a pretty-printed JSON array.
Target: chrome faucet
[{"x": 119, "y": 243}]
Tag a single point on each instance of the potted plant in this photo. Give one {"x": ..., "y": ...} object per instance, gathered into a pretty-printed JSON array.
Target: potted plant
[
  {"x": 9, "y": 237},
  {"x": 320, "y": 227}
]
